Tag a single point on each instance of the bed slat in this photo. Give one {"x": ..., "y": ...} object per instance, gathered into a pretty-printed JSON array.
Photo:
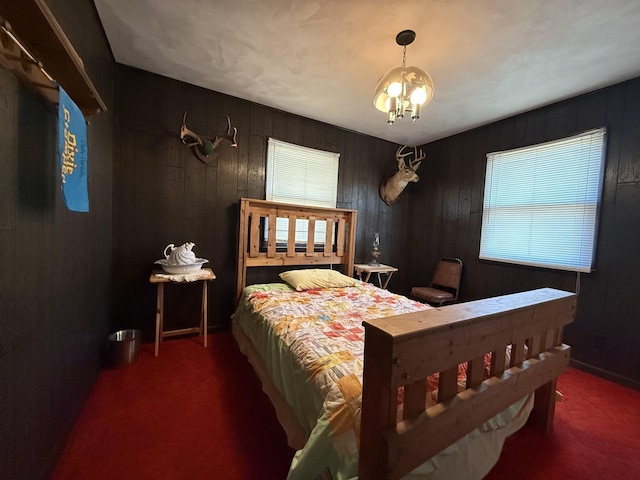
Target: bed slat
[
  {"x": 311, "y": 235},
  {"x": 535, "y": 345},
  {"x": 254, "y": 246},
  {"x": 447, "y": 384},
  {"x": 291, "y": 238},
  {"x": 271, "y": 238},
  {"x": 528, "y": 353},
  {"x": 498, "y": 359},
  {"x": 475, "y": 372},
  {"x": 340, "y": 240},
  {"x": 414, "y": 399},
  {"x": 517, "y": 353},
  {"x": 328, "y": 237}
]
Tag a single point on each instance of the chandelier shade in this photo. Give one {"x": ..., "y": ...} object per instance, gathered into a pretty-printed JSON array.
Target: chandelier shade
[{"x": 403, "y": 90}]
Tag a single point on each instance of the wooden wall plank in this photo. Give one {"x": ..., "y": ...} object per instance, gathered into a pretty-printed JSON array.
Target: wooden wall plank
[
  {"x": 630, "y": 152},
  {"x": 605, "y": 321},
  {"x": 166, "y": 193},
  {"x": 55, "y": 300},
  {"x": 439, "y": 214}
]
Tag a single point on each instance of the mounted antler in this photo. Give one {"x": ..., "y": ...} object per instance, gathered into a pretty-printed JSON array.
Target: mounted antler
[
  {"x": 205, "y": 148},
  {"x": 230, "y": 135},
  {"x": 392, "y": 187}
]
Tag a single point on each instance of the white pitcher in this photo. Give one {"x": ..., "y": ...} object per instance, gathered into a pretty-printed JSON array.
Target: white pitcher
[{"x": 182, "y": 255}]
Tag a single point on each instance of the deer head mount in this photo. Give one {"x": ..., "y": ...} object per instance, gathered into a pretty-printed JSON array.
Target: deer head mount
[
  {"x": 203, "y": 147},
  {"x": 393, "y": 186}
]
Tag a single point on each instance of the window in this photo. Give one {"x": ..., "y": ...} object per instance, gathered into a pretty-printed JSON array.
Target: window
[
  {"x": 541, "y": 203},
  {"x": 302, "y": 176}
]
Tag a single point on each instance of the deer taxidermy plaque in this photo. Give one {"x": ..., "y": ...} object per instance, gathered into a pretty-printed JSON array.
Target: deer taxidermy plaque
[
  {"x": 393, "y": 186},
  {"x": 204, "y": 148}
]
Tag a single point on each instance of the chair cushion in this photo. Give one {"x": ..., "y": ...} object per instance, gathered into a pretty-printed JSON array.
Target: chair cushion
[{"x": 431, "y": 294}]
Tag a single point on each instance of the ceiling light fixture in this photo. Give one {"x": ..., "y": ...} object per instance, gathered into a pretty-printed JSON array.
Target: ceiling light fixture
[{"x": 403, "y": 90}]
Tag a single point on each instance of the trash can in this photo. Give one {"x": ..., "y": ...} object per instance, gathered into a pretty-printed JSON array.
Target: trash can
[{"x": 123, "y": 347}]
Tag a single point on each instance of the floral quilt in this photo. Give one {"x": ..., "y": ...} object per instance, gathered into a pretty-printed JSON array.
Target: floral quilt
[
  {"x": 311, "y": 343},
  {"x": 323, "y": 328}
]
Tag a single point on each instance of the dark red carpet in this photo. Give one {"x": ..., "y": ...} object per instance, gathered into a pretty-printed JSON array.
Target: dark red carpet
[
  {"x": 195, "y": 413},
  {"x": 596, "y": 436},
  {"x": 190, "y": 413}
]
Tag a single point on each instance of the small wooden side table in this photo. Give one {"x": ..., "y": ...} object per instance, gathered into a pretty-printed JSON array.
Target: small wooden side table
[
  {"x": 159, "y": 277},
  {"x": 380, "y": 270}
]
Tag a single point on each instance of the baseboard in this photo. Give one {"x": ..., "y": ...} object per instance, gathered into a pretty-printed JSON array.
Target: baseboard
[{"x": 614, "y": 377}]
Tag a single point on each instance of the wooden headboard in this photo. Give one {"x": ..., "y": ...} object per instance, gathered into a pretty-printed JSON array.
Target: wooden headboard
[{"x": 257, "y": 245}]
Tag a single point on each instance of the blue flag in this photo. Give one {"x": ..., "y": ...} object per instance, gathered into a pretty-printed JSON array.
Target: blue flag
[{"x": 72, "y": 158}]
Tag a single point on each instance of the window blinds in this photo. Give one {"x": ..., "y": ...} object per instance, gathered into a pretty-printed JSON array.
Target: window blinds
[
  {"x": 541, "y": 203},
  {"x": 302, "y": 176}
]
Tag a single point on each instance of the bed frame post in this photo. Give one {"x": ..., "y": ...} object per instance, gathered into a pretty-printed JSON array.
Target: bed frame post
[
  {"x": 544, "y": 407},
  {"x": 351, "y": 244},
  {"x": 242, "y": 247},
  {"x": 379, "y": 412}
]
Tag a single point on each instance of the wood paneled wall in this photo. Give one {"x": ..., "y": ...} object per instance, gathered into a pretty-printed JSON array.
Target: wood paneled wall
[
  {"x": 56, "y": 265},
  {"x": 163, "y": 194},
  {"x": 448, "y": 204},
  {"x": 146, "y": 190}
]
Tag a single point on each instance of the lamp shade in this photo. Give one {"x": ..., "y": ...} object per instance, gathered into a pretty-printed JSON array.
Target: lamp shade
[
  {"x": 410, "y": 85},
  {"x": 404, "y": 89}
]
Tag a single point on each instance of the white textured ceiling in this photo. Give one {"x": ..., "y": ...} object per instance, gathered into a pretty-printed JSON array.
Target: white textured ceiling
[{"x": 489, "y": 59}]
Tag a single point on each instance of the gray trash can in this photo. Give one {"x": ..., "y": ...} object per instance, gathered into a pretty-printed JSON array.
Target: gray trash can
[{"x": 123, "y": 347}]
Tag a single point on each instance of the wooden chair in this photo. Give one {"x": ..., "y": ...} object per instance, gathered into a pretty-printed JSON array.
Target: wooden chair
[{"x": 445, "y": 284}]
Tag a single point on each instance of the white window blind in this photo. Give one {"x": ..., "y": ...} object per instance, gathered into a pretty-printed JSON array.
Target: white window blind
[
  {"x": 541, "y": 203},
  {"x": 302, "y": 176}
]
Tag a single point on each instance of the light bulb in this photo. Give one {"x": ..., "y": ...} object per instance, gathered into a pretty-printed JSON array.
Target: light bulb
[
  {"x": 394, "y": 89},
  {"x": 418, "y": 96}
]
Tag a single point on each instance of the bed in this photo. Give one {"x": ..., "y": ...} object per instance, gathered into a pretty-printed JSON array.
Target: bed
[{"x": 418, "y": 392}]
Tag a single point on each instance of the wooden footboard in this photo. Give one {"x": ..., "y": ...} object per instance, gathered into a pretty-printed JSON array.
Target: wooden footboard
[{"x": 402, "y": 351}]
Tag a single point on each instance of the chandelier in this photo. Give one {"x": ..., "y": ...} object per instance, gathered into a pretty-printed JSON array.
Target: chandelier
[{"x": 403, "y": 90}]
